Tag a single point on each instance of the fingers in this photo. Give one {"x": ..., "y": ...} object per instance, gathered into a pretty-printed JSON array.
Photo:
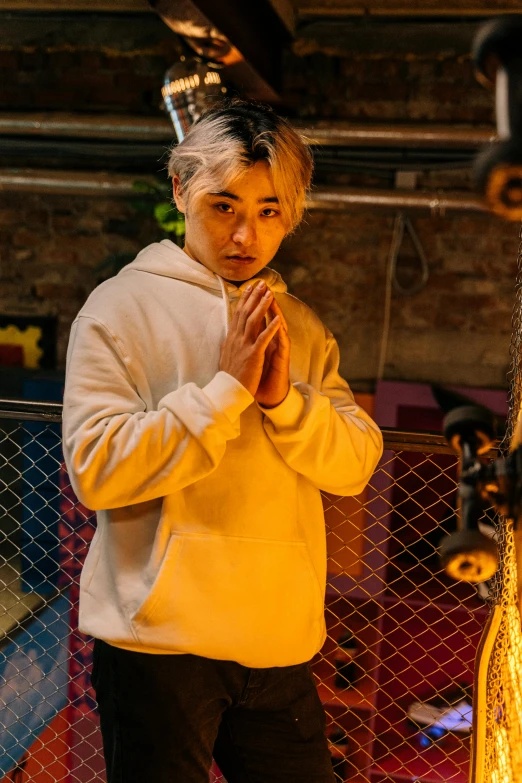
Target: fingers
[
  {"x": 284, "y": 345},
  {"x": 255, "y": 320},
  {"x": 239, "y": 313},
  {"x": 280, "y": 342},
  {"x": 255, "y": 304},
  {"x": 247, "y": 304},
  {"x": 276, "y": 310},
  {"x": 283, "y": 339},
  {"x": 267, "y": 334}
]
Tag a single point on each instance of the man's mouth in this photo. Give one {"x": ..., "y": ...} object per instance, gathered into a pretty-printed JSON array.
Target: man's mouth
[{"x": 240, "y": 258}]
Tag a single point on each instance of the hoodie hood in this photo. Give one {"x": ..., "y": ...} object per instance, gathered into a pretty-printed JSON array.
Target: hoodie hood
[{"x": 167, "y": 259}]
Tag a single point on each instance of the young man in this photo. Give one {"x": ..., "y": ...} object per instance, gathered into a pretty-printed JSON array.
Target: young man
[{"x": 203, "y": 414}]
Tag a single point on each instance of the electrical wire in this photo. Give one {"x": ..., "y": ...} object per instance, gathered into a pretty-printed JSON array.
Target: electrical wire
[
  {"x": 400, "y": 225},
  {"x": 404, "y": 224},
  {"x": 396, "y": 239}
]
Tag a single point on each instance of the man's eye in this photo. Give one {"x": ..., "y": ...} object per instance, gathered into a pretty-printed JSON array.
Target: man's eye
[
  {"x": 223, "y": 207},
  {"x": 269, "y": 212}
]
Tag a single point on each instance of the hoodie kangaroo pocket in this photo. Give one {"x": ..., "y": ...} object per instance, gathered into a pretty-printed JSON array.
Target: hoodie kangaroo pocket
[
  {"x": 160, "y": 586},
  {"x": 254, "y": 601}
]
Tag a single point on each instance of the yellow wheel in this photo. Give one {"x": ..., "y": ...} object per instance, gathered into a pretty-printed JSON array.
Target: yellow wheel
[{"x": 469, "y": 556}]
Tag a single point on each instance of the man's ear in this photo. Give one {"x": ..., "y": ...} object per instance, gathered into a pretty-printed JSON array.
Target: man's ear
[{"x": 178, "y": 193}]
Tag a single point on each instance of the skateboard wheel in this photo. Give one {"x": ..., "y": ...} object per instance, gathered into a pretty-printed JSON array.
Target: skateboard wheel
[
  {"x": 498, "y": 176},
  {"x": 469, "y": 421},
  {"x": 496, "y": 44},
  {"x": 469, "y": 556}
]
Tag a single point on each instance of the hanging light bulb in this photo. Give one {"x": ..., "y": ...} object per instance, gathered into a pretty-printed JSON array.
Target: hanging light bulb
[{"x": 189, "y": 87}]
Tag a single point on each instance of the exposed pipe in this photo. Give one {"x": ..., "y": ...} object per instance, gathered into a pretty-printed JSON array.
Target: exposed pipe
[
  {"x": 330, "y": 134},
  {"x": 86, "y": 126},
  {"x": 330, "y": 199},
  {"x": 438, "y": 203},
  {"x": 352, "y": 135},
  {"x": 77, "y": 183}
]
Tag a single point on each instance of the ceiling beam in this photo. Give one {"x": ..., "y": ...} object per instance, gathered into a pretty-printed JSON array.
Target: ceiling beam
[
  {"x": 254, "y": 32},
  {"x": 363, "y": 36},
  {"x": 414, "y": 8},
  {"x": 286, "y": 12},
  {"x": 91, "y": 6},
  {"x": 61, "y": 30}
]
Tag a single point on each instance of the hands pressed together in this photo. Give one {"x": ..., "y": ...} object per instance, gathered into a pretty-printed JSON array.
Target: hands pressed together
[{"x": 256, "y": 350}]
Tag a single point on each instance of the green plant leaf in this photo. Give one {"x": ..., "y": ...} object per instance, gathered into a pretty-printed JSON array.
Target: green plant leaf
[
  {"x": 163, "y": 211},
  {"x": 179, "y": 229}
]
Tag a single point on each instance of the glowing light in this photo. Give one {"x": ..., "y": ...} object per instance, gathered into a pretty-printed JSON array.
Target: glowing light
[{"x": 182, "y": 84}]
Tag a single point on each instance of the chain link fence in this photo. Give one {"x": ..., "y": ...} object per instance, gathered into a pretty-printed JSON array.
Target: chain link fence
[{"x": 395, "y": 674}]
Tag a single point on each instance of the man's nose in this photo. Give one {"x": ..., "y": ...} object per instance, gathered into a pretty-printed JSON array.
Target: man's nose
[{"x": 244, "y": 233}]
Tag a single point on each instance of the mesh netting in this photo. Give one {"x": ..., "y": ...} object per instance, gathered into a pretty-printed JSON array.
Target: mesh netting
[
  {"x": 503, "y": 727},
  {"x": 499, "y": 741},
  {"x": 395, "y": 674},
  {"x": 515, "y": 352}
]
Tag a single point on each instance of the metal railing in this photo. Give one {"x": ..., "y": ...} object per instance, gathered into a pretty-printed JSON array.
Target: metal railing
[{"x": 395, "y": 673}]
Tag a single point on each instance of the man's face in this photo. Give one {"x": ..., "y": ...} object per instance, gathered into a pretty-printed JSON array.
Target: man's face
[{"x": 237, "y": 231}]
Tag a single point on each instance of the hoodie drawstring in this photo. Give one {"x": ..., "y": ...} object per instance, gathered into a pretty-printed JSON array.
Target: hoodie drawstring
[{"x": 226, "y": 302}]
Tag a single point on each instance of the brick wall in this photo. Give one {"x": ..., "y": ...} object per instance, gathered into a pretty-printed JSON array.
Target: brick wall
[
  {"x": 382, "y": 87},
  {"x": 95, "y": 63},
  {"x": 50, "y": 247},
  {"x": 455, "y": 331}
]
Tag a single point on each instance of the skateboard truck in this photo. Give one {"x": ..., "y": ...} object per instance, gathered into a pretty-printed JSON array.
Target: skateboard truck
[
  {"x": 468, "y": 554},
  {"x": 497, "y": 56}
]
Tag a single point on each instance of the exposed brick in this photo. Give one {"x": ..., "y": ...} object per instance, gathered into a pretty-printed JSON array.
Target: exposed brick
[
  {"x": 8, "y": 60},
  {"x": 49, "y": 255},
  {"x": 32, "y": 60},
  {"x": 23, "y": 255},
  {"x": 455, "y": 330},
  {"x": 9, "y": 217},
  {"x": 57, "y": 292},
  {"x": 24, "y": 237}
]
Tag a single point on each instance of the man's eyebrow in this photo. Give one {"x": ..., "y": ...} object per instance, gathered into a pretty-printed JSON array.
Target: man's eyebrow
[{"x": 227, "y": 194}]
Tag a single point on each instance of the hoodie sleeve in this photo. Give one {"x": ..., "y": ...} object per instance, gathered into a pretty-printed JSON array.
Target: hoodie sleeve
[
  {"x": 116, "y": 452},
  {"x": 323, "y": 434}
]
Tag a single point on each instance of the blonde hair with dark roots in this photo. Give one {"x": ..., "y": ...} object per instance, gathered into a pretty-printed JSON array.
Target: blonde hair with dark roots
[{"x": 230, "y": 137}]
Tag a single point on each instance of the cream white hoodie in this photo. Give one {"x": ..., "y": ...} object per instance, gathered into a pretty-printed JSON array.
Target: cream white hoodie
[{"x": 210, "y": 536}]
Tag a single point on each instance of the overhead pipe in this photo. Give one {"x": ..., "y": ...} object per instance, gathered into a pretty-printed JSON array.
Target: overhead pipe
[
  {"x": 329, "y": 199},
  {"x": 74, "y": 183},
  {"x": 437, "y": 202},
  {"x": 85, "y": 126},
  {"x": 327, "y": 134},
  {"x": 352, "y": 135}
]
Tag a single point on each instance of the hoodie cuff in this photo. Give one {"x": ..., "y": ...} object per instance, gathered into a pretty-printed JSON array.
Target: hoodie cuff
[
  {"x": 288, "y": 414},
  {"x": 228, "y": 395}
]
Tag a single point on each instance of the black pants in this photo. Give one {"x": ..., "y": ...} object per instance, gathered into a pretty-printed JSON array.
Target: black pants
[{"x": 163, "y": 717}]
